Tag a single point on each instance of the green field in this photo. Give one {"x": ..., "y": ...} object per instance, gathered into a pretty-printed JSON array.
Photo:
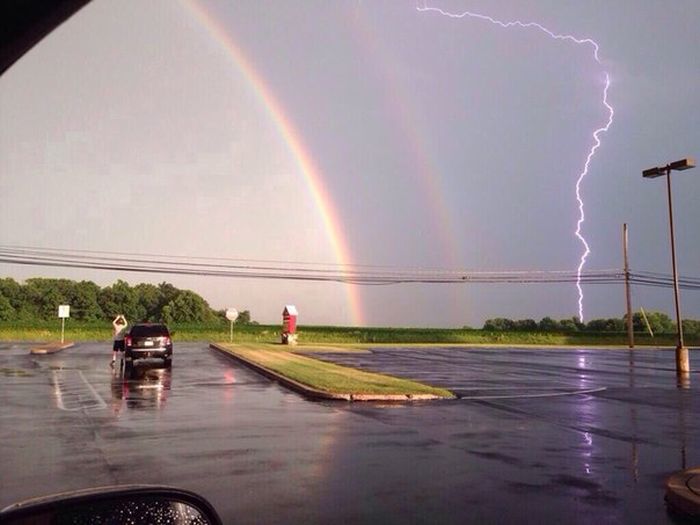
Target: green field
[
  {"x": 329, "y": 377},
  {"x": 312, "y": 335}
]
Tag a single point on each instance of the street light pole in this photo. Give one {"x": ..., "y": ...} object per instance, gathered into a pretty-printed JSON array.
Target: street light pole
[
  {"x": 682, "y": 357},
  {"x": 676, "y": 292}
]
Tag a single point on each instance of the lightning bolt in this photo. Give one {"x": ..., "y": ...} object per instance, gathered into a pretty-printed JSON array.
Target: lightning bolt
[{"x": 596, "y": 133}]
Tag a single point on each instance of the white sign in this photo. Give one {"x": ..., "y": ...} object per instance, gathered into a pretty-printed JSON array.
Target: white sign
[
  {"x": 64, "y": 311},
  {"x": 231, "y": 314}
]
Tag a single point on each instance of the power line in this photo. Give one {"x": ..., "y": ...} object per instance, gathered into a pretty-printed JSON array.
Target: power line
[{"x": 315, "y": 271}]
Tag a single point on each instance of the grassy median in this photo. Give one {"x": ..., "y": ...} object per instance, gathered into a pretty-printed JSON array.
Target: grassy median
[{"x": 328, "y": 377}]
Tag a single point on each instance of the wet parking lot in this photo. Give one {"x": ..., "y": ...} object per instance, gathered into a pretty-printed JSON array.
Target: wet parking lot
[{"x": 537, "y": 436}]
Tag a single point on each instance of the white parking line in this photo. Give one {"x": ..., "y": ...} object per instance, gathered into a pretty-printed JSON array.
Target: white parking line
[
  {"x": 74, "y": 392},
  {"x": 546, "y": 394}
]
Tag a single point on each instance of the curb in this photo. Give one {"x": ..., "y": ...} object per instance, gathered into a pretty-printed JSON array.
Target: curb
[
  {"x": 683, "y": 492},
  {"x": 50, "y": 348},
  {"x": 320, "y": 395}
]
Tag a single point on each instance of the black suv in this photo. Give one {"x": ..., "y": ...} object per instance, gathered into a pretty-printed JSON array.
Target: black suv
[{"x": 148, "y": 340}]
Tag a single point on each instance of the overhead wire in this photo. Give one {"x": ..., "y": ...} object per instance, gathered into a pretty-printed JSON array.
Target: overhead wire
[{"x": 315, "y": 271}]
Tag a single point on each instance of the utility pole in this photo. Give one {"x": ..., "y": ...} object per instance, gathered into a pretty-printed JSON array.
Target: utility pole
[{"x": 628, "y": 293}]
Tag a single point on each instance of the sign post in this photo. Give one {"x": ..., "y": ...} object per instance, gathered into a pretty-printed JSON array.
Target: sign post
[
  {"x": 231, "y": 315},
  {"x": 63, "y": 312}
]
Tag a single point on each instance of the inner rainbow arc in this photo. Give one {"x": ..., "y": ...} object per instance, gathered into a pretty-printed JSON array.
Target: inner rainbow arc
[{"x": 292, "y": 138}]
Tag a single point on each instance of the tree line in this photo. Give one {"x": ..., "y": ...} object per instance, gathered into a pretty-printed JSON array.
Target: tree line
[
  {"x": 659, "y": 322},
  {"x": 38, "y": 299}
]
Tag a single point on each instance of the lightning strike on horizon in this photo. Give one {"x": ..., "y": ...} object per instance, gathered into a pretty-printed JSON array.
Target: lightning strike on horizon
[{"x": 596, "y": 134}]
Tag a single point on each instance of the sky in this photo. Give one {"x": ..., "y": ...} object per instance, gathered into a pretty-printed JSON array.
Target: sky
[{"x": 359, "y": 132}]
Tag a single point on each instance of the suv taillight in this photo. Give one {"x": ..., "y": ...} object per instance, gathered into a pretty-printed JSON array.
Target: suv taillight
[
  {"x": 127, "y": 340},
  {"x": 166, "y": 340}
]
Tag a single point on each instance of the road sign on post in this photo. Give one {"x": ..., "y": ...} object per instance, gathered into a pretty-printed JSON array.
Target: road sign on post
[
  {"x": 231, "y": 315},
  {"x": 63, "y": 313}
]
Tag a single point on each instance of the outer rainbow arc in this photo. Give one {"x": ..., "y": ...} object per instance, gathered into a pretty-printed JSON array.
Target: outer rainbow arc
[
  {"x": 292, "y": 138},
  {"x": 400, "y": 106}
]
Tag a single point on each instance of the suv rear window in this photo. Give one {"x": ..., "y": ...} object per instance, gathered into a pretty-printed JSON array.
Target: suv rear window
[{"x": 150, "y": 330}]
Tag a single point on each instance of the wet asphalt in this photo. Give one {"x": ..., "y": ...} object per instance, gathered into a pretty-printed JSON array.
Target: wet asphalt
[{"x": 537, "y": 436}]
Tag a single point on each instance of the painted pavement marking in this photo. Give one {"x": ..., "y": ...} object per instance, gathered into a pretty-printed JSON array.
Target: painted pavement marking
[{"x": 74, "y": 392}]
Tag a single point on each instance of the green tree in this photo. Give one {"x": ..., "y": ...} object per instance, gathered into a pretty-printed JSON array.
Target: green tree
[
  {"x": 606, "y": 325},
  {"x": 187, "y": 307},
  {"x": 568, "y": 325},
  {"x": 39, "y": 298},
  {"x": 547, "y": 324},
  {"x": 13, "y": 292},
  {"x": 526, "y": 325},
  {"x": 499, "y": 324},
  {"x": 149, "y": 298},
  {"x": 691, "y": 328},
  {"x": 43, "y": 296},
  {"x": 659, "y": 322},
  {"x": 167, "y": 293},
  {"x": 7, "y": 312},
  {"x": 120, "y": 298},
  {"x": 84, "y": 301},
  {"x": 243, "y": 318}
]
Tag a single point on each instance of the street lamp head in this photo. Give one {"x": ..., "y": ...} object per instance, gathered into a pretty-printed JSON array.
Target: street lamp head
[
  {"x": 679, "y": 165},
  {"x": 652, "y": 173},
  {"x": 683, "y": 164}
]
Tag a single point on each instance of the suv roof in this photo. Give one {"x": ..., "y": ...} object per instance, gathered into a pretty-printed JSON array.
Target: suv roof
[{"x": 149, "y": 330}]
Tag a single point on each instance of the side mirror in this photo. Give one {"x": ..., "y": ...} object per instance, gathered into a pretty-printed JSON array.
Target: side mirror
[{"x": 134, "y": 504}]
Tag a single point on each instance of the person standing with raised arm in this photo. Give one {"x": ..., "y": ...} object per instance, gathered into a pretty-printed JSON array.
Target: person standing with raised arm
[{"x": 119, "y": 331}]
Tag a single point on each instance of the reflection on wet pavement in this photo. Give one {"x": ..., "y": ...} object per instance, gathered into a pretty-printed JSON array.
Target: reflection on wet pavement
[
  {"x": 538, "y": 436},
  {"x": 145, "y": 385},
  {"x": 599, "y": 428}
]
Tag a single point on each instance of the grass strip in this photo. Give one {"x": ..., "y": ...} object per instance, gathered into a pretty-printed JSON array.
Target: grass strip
[
  {"x": 336, "y": 335},
  {"x": 329, "y": 377}
]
